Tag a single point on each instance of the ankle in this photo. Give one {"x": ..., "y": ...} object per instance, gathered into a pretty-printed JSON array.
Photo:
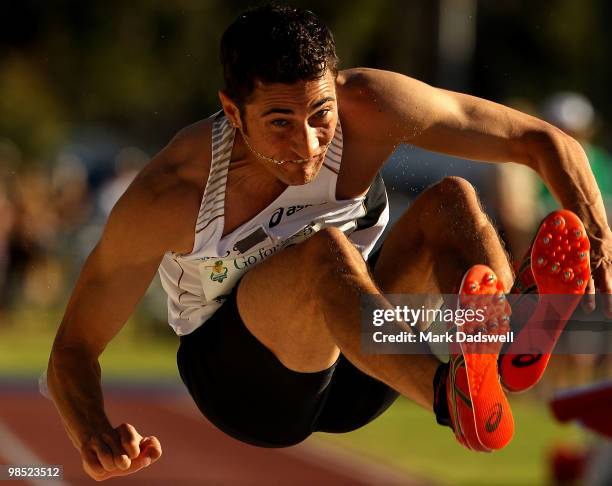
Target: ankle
[{"x": 440, "y": 404}]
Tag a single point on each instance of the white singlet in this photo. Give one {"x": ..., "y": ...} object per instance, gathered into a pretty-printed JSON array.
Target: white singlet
[{"x": 197, "y": 283}]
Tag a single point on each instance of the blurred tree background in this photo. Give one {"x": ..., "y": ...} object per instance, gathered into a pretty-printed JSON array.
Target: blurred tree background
[{"x": 145, "y": 68}]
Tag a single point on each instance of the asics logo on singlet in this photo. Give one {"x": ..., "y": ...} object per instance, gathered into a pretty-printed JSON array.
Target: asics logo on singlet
[{"x": 277, "y": 216}]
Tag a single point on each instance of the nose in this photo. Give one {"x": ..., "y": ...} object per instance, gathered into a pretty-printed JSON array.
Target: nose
[{"x": 308, "y": 142}]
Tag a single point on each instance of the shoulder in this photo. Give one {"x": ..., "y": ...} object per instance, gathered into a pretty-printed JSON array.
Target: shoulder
[
  {"x": 387, "y": 103},
  {"x": 181, "y": 166},
  {"x": 359, "y": 77},
  {"x": 189, "y": 149},
  {"x": 353, "y": 87},
  {"x": 163, "y": 201},
  {"x": 361, "y": 87},
  {"x": 356, "y": 83}
]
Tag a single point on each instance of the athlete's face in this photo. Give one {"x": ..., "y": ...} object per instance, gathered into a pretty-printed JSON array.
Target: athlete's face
[{"x": 291, "y": 122}]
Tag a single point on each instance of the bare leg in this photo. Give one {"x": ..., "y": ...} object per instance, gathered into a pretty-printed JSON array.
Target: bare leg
[
  {"x": 303, "y": 303},
  {"x": 441, "y": 235}
]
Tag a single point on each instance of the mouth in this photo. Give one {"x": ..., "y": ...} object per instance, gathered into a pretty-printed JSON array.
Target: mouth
[{"x": 315, "y": 158}]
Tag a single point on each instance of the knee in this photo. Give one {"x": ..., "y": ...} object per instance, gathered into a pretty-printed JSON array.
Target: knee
[
  {"x": 457, "y": 200},
  {"x": 451, "y": 204},
  {"x": 453, "y": 189},
  {"x": 326, "y": 243}
]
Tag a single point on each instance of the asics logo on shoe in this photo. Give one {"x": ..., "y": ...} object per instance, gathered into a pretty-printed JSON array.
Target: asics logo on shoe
[
  {"x": 524, "y": 360},
  {"x": 494, "y": 418}
]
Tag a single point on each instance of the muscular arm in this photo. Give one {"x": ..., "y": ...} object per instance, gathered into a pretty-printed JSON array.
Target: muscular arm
[
  {"x": 112, "y": 281},
  {"x": 141, "y": 228},
  {"x": 401, "y": 109}
]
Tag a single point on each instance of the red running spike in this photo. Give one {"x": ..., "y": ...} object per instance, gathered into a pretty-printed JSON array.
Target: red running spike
[
  {"x": 480, "y": 412},
  {"x": 565, "y": 272}
]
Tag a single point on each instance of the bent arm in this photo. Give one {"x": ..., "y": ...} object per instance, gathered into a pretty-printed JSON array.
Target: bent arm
[
  {"x": 482, "y": 130},
  {"x": 407, "y": 110},
  {"x": 106, "y": 293},
  {"x": 142, "y": 227}
]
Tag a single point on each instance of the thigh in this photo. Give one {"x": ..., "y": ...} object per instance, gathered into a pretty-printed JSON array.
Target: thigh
[
  {"x": 354, "y": 398},
  {"x": 280, "y": 302},
  {"x": 406, "y": 260},
  {"x": 243, "y": 389}
]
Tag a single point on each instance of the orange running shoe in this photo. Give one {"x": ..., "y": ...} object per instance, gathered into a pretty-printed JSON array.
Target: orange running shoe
[
  {"x": 460, "y": 405},
  {"x": 480, "y": 412},
  {"x": 559, "y": 264}
]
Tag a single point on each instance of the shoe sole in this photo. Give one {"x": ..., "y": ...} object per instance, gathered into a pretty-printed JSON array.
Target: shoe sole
[
  {"x": 560, "y": 265},
  {"x": 488, "y": 410}
]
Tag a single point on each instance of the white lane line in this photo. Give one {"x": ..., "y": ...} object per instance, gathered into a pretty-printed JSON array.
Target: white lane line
[
  {"x": 16, "y": 452},
  {"x": 322, "y": 454}
]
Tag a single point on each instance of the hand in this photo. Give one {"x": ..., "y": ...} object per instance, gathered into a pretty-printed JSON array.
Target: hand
[
  {"x": 118, "y": 452},
  {"x": 601, "y": 274}
]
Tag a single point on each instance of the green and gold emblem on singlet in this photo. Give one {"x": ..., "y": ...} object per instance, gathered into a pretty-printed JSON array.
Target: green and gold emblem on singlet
[{"x": 219, "y": 272}]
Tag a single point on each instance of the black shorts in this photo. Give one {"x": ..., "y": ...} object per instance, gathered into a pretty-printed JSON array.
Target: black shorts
[{"x": 243, "y": 389}]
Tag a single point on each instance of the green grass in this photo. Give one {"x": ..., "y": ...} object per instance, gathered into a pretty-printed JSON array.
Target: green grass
[
  {"x": 407, "y": 436},
  {"x": 26, "y": 338}
]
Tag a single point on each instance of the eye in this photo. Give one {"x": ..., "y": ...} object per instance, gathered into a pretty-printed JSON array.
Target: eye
[
  {"x": 322, "y": 113},
  {"x": 279, "y": 122}
]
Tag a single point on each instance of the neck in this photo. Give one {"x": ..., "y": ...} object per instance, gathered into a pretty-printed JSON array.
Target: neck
[{"x": 247, "y": 174}]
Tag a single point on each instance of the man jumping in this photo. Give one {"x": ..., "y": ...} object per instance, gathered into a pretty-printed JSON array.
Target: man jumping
[{"x": 261, "y": 221}]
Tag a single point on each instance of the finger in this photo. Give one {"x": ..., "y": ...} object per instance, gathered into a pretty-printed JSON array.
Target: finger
[
  {"x": 588, "y": 301},
  {"x": 104, "y": 454},
  {"x": 112, "y": 440},
  {"x": 150, "y": 451},
  {"x": 130, "y": 440},
  {"x": 151, "y": 448}
]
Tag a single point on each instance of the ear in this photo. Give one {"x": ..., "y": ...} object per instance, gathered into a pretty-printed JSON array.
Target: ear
[{"x": 230, "y": 108}]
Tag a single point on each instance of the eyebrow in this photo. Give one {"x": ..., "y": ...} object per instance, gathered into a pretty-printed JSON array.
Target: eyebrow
[{"x": 287, "y": 111}]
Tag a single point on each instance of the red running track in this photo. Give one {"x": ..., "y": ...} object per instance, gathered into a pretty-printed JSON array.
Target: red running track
[{"x": 194, "y": 452}]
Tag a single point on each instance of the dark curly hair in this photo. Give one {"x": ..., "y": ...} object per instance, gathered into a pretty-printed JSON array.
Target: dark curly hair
[{"x": 275, "y": 44}]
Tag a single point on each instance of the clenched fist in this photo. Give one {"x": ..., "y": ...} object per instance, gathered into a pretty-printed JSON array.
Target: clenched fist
[{"x": 118, "y": 452}]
